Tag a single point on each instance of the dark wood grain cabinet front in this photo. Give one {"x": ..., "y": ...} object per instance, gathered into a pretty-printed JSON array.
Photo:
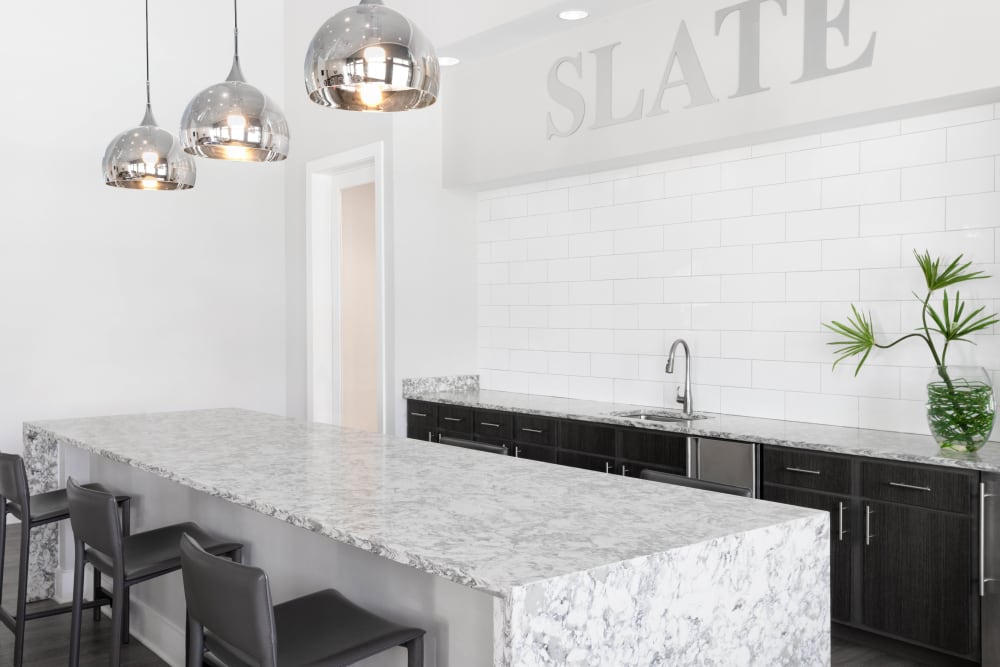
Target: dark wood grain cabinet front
[
  {"x": 421, "y": 420},
  {"x": 660, "y": 451}
]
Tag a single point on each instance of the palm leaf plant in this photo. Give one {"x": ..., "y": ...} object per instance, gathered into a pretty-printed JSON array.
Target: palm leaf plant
[{"x": 960, "y": 412}]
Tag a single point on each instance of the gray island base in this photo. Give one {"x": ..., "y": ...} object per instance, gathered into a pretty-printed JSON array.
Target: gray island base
[{"x": 503, "y": 561}]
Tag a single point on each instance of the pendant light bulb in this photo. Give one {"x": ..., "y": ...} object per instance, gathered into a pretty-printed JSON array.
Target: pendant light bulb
[
  {"x": 371, "y": 58},
  {"x": 233, "y": 120},
  {"x": 148, "y": 157}
]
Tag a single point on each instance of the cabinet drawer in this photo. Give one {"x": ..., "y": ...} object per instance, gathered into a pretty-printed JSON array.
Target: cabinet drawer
[
  {"x": 596, "y": 463},
  {"x": 421, "y": 420},
  {"x": 920, "y": 486},
  {"x": 535, "y": 453},
  {"x": 666, "y": 452},
  {"x": 491, "y": 424},
  {"x": 535, "y": 430},
  {"x": 455, "y": 419},
  {"x": 806, "y": 470},
  {"x": 588, "y": 438}
]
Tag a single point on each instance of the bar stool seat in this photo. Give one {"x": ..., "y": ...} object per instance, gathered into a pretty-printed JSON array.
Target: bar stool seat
[
  {"x": 326, "y": 628},
  {"x": 231, "y": 618},
  {"x": 151, "y": 553},
  {"x": 51, "y": 506}
]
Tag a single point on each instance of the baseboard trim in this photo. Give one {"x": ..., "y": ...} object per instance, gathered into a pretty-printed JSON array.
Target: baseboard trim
[{"x": 153, "y": 629}]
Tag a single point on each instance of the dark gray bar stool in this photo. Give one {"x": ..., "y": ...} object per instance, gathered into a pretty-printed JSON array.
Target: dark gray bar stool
[
  {"x": 128, "y": 560},
  {"x": 34, "y": 511},
  {"x": 230, "y": 616}
]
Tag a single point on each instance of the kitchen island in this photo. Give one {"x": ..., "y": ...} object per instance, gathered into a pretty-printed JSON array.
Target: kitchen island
[{"x": 503, "y": 561}]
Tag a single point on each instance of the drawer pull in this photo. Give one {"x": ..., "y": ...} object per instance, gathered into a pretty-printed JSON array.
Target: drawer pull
[
  {"x": 868, "y": 525},
  {"x": 417, "y": 414},
  {"x": 454, "y": 420},
  {"x": 911, "y": 487},
  {"x": 804, "y": 471},
  {"x": 841, "y": 532},
  {"x": 533, "y": 430},
  {"x": 489, "y": 424}
]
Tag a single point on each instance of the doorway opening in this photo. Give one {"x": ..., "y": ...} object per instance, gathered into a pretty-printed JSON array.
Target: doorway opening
[{"x": 346, "y": 281}]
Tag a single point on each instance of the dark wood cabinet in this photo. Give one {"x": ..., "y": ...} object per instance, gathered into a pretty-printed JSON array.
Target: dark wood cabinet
[
  {"x": 918, "y": 576},
  {"x": 588, "y": 439},
  {"x": 535, "y": 452},
  {"x": 421, "y": 420},
  {"x": 587, "y": 462},
  {"x": 660, "y": 451},
  {"x": 842, "y": 512},
  {"x": 455, "y": 420}
]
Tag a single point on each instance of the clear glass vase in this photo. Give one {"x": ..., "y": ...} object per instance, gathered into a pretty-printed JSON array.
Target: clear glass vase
[{"x": 961, "y": 408}]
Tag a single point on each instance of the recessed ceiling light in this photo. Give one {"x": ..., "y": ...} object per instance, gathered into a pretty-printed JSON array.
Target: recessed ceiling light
[
  {"x": 448, "y": 61},
  {"x": 574, "y": 14}
]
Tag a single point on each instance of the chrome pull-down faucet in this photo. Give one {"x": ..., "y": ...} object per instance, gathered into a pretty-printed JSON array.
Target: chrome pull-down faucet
[{"x": 685, "y": 398}]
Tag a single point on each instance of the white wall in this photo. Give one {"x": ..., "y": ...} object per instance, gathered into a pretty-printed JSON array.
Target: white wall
[
  {"x": 118, "y": 301},
  {"x": 432, "y": 308},
  {"x": 585, "y": 282}
]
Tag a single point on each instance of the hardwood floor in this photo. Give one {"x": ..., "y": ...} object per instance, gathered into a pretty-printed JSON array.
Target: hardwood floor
[
  {"x": 47, "y": 639},
  {"x": 46, "y": 642}
]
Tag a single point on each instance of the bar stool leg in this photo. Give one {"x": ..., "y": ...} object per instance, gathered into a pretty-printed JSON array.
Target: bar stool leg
[
  {"x": 97, "y": 595},
  {"x": 126, "y": 612},
  {"x": 119, "y": 614},
  {"x": 3, "y": 536},
  {"x": 77, "y": 618},
  {"x": 22, "y": 592},
  {"x": 415, "y": 652}
]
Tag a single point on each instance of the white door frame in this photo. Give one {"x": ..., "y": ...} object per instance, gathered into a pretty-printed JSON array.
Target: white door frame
[{"x": 325, "y": 179}]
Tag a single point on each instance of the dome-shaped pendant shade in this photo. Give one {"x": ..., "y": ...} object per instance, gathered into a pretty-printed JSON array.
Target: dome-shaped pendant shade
[
  {"x": 233, "y": 120},
  {"x": 372, "y": 58},
  {"x": 148, "y": 158}
]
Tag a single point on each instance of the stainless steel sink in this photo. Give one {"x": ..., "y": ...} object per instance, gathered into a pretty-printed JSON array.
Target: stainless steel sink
[{"x": 665, "y": 417}]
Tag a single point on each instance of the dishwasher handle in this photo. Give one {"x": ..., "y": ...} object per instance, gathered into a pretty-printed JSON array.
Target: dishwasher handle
[{"x": 477, "y": 446}]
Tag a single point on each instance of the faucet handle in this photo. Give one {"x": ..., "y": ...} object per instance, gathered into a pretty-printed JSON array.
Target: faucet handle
[{"x": 681, "y": 397}]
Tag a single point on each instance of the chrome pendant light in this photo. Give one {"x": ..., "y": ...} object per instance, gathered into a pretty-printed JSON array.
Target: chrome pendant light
[
  {"x": 233, "y": 120},
  {"x": 372, "y": 58},
  {"x": 148, "y": 157}
]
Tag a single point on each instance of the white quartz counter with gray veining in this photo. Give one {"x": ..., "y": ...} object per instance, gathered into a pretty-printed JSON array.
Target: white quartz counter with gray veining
[
  {"x": 588, "y": 569},
  {"x": 891, "y": 445}
]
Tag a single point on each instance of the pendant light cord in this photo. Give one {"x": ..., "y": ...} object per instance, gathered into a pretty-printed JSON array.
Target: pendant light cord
[
  {"x": 236, "y": 31},
  {"x": 148, "y": 99}
]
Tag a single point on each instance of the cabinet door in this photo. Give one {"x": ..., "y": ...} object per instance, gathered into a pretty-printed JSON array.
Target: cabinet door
[
  {"x": 841, "y": 535},
  {"x": 534, "y": 452},
  {"x": 585, "y": 461},
  {"x": 421, "y": 420},
  {"x": 661, "y": 451},
  {"x": 918, "y": 576}
]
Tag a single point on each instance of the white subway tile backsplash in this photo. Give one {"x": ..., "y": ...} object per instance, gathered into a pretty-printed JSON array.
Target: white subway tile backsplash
[
  {"x": 751, "y": 288},
  {"x": 717, "y": 261},
  {"x": 783, "y": 257},
  {"x": 753, "y": 172},
  {"x": 640, "y": 188},
  {"x": 666, "y": 264},
  {"x": 972, "y": 141},
  {"x": 868, "y": 253},
  {"x": 875, "y": 188},
  {"x": 834, "y": 223},
  {"x": 753, "y": 402},
  {"x": 585, "y": 281},
  {"x": 643, "y": 239},
  {"x": 824, "y": 162},
  {"x": 642, "y": 290},
  {"x": 952, "y": 178},
  {"x": 706, "y": 234},
  {"x": 822, "y": 286},
  {"x": 725, "y": 204},
  {"x": 972, "y": 211},
  {"x": 908, "y": 150},
  {"x": 786, "y": 198},
  {"x": 822, "y": 409},
  {"x": 908, "y": 217},
  {"x": 754, "y": 229}
]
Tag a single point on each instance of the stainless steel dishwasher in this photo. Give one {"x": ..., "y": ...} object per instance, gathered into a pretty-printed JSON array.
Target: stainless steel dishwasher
[{"x": 726, "y": 462}]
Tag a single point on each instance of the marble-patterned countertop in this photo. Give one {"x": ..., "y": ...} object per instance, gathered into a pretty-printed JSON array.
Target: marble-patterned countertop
[
  {"x": 841, "y": 440},
  {"x": 485, "y": 521}
]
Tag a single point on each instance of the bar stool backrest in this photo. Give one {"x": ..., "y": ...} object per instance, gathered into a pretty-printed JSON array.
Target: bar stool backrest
[
  {"x": 14, "y": 481},
  {"x": 93, "y": 516},
  {"x": 231, "y": 601}
]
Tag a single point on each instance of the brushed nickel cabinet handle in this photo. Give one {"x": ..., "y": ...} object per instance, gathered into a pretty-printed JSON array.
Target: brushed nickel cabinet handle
[
  {"x": 454, "y": 420},
  {"x": 841, "y": 532},
  {"x": 804, "y": 471},
  {"x": 624, "y": 471},
  {"x": 489, "y": 425},
  {"x": 417, "y": 414},
  {"x": 430, "y": 436},
  {"x": 532, "y": 430},
  {"x": 517, "y": 452},
  {"x": 983, "y": 579},
  {"x": 607, "y": 468},
  {"x": 910, "y": 487},
  {"x": 868, "y": 525}
]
